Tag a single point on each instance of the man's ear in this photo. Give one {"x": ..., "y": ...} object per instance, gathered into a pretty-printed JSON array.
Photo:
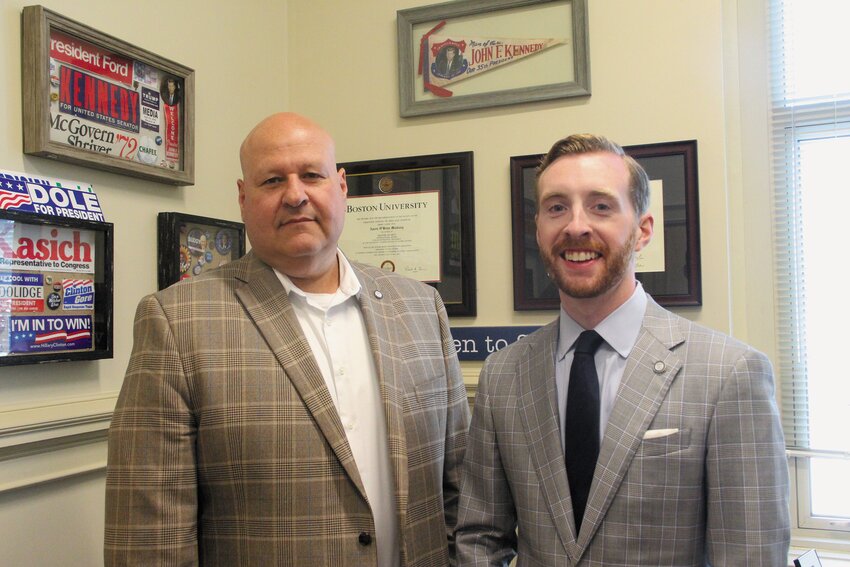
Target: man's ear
[
  {"x": 645, "y": 229},
  {"x": 536, "y": 231},
  {"x": 342, "y": 182}
]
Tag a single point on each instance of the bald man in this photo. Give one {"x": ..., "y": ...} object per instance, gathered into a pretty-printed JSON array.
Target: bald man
[{"x": 292, "y": 407}]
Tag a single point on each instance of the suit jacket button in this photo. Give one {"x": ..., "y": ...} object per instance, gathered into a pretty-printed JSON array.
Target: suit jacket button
[{"x": 364, "y": 539}]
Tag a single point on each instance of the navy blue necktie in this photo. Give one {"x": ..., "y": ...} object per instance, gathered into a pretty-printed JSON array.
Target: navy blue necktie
[{"x": 581, "y": 432}]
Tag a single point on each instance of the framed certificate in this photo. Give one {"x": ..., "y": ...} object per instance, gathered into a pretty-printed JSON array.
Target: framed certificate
[
  {"x": 669, "y": 268},
  {"x": 55, "y": 289},
  {"x": 94, "y": 100},
  {"x": 414, "y": 216},
  {"x": 189, "y": 245}
]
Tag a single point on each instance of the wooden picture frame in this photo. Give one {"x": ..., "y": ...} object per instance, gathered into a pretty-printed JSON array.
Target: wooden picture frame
[
  {"x": 94, "y": 100},
  {"x": 188, "y": 245},
  {"x": 416, "y": 216},
  {"x": 674, "y": 165},
  {"x": 561, "y": 70},
  {"x": 56, "y": 289}
]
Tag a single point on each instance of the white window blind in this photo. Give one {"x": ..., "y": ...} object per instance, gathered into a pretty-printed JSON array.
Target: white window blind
[
  {"x": 810, "y": 92},
  {"x": 811, "y": 129}
]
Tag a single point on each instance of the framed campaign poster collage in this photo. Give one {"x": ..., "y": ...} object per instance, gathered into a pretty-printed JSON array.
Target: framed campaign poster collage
[
  {"x": 189, "y": 245},
  {"x": 95, "y": 100},
  {"x": 55, "y": 276}
]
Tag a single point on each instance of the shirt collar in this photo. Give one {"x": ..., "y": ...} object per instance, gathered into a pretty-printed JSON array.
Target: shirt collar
[
  {"x": 349, "y": 285},
  {"x": 620, "y": 329}
]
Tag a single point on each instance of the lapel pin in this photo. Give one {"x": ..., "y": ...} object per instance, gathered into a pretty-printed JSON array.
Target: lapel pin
[{"x": 659, "y": 367}]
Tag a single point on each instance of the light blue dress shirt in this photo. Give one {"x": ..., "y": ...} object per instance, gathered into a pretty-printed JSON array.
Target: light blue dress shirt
[{"x": 620, "y": 331}]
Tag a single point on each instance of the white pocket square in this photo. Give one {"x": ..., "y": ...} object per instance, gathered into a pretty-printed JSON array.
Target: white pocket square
[{"x": 656, "y": 433}]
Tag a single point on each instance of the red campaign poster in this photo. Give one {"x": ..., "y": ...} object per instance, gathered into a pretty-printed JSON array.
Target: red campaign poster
[{"x": 106, "y": 103}]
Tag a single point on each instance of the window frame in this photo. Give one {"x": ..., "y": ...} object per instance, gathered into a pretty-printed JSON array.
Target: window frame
[{"x": 792, "y": 122}]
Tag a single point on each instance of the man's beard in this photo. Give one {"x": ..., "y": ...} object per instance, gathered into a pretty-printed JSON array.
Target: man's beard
[{"x": 616, "y": 264}]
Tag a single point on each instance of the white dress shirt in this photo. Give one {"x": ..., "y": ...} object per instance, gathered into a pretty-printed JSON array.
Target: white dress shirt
[
  {"x": 620, "y": 331},
  {"x": 334, "y": 327}
]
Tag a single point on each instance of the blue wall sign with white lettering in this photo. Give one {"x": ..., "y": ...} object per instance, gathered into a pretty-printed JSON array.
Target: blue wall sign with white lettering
[
  {"x": 28, "y": 194},
  {"x": 476, "y": 343}
]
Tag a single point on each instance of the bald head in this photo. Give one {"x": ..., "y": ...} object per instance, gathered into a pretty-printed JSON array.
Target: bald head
[
  {"x": 266, "y": 136},
  {"x": 292, "y": 198}
]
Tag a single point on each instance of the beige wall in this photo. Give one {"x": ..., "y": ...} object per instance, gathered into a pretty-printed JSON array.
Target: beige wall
[
  {"x": 661, "y": 70},
  {"x": 657, "y": 75},
  {"x": 238, "y": 51}
]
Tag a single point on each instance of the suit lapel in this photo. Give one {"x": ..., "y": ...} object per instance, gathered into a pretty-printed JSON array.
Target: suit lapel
[
  {"x": 537, "y": 405},
  {"x": 649, "y": 372},
  {"x": 376, "y": 306},
  {"x": 268, "y": 306}
]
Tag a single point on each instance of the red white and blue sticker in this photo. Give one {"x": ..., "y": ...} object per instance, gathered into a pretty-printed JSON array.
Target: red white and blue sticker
[
  {"x": 78, "y": 294},
  {"x": 57, "y": 197},
  {"x": 150, "y": 109},
  {"x": 45, "y": 334},
  {"x": 21, "y": 292}
]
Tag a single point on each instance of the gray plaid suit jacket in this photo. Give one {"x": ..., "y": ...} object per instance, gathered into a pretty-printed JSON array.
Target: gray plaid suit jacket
[
  {"x": 226, "y": 449},
  {"x": 691, "y": 470}
]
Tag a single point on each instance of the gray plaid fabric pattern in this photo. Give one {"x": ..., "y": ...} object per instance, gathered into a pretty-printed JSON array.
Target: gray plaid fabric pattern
[{"x": 710, "y": 490}]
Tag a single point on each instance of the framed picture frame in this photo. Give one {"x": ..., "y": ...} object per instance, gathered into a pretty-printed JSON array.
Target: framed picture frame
[
  {"x": 189, "y": 245},
  {"x": 669, "y": 268},
  {"x": 415, "y": 216},
  {"x": 94, "y": 100},
  {"x": 505, "y": 52},
  {"x": 56, "y": 288}
]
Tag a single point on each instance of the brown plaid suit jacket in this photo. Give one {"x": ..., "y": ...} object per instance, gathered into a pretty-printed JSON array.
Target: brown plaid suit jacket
[
  {"x": 691, "y": 470},
  {"x": 226, "y": 449}
]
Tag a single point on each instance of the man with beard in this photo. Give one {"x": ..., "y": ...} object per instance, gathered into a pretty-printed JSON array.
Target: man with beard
[{"x": 620, "y": 433}]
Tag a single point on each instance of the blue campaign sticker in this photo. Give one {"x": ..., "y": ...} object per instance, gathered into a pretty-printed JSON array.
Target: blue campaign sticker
[
  {"x": 78, "y": 294},
  {"x": 59, "y": 198},
  {"x": 18, "y": 278},
  {"x": 45, "y": 334}
]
